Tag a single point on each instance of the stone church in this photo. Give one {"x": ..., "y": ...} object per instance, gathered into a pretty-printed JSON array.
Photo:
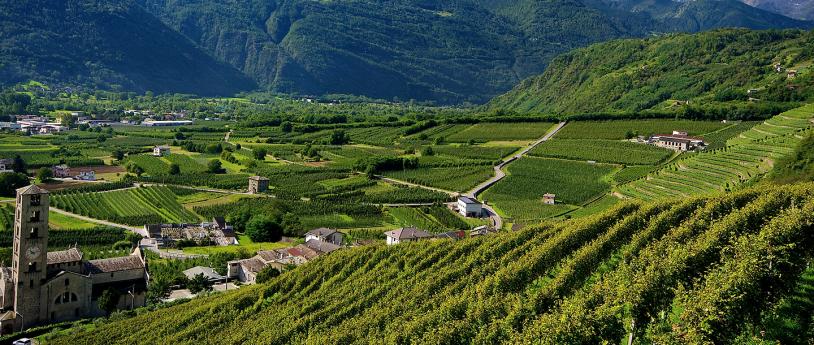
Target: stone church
[{"x": 44, "y": 286}]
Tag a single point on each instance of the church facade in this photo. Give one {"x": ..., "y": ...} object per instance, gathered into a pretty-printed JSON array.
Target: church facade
[{"x": 44, "y": 286}]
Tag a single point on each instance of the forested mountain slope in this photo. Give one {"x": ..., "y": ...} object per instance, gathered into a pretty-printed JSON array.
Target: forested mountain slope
[
  {"x": 639, "y": 74},
  {"x": 446, "y": 51},
  {"x": 105, "y": 44},
  {"x": 800, "y": 9},
  {"x": 719, "y": 270}
]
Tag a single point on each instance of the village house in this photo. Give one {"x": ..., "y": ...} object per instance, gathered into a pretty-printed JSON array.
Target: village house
[
  {"x": 61, "y": 171},
  {"x": 549, "y": 199},
  {"x": 161, "y": 151},
  {"x": 245, "y": 271},
  {"x": 208, "y": 272},
  {"x": 481, "y": 231},
  {"x": 469, "y": 207},
  {"x": 792, "y": 74},
  {"x": 324, "y": 235},
  {"x": 216, "y": 232},
  {"x": 86, "y": 176},
  {"x": 452, "y": 235},
  {"x": 258, "y": 184},
  {"x": 678, "y": 141},
  {"x": 43, "y": 286},
  {"x": 6, "y": 165},
  {"x": 406, "y": 235}
]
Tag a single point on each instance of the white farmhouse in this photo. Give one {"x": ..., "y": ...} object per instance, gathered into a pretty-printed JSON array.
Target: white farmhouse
[
  {"x": 469, "y": 207},
  {"x": 406, "y": 235},
  {"x": 324, "y": 235},
  {"x": 161, "y": 151}
]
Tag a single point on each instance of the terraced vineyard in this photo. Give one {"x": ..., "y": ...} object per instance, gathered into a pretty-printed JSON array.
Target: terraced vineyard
[
  {"x": 135, "y": 206},
  {"x": 789, "y": 123},
  {"x": 727, "y": 269},
  {"x": 751, "y": 154}
]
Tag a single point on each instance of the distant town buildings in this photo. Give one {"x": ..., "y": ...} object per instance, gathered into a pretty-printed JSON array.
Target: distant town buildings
[
  {"x": 166, "y": 123},
  {"x": 258, "y": 184},
  {"x": 216, "y": 232},
  {"x": 61, "y": 171}
]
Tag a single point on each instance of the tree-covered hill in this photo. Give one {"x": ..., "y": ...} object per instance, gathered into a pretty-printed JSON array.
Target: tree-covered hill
[
  {"x": 443, "y": 51},
  {"x": 664, "y": 72},
  {"x": 729, "y": 269},
  {"x": 446, "y": 51},
  {"x": 800, "y": 9},
  {"x": 105, "y": 44}
]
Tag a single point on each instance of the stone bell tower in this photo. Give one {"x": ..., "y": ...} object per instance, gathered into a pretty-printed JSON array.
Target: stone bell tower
[{"x": 29, "y": 256}]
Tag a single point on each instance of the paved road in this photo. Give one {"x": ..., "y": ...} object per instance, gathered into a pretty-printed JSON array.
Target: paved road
[
  {"x": 500, "y": 174},
  {"x": 134, "y": 229}
]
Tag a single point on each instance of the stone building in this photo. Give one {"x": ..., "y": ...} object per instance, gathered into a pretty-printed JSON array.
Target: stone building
[
  {"x": 258, "y": 184},
  {"x": 44, "y": 286}
]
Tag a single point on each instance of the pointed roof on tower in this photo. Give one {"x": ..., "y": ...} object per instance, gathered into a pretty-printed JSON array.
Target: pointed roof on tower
[{"x": 31, "y": 189}]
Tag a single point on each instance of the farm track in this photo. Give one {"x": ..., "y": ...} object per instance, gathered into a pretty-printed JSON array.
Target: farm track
[{"x": 133, "y": 229}]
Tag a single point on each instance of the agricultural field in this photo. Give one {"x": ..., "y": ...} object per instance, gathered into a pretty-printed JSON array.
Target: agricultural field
[
  {"x": 484, "y": 132},
  {"x": 711, "y": 172},
  {"x": 624, "y": 129},
  {"x": 716, "y": 140},
  {"x": 790, "y": 123},
  {"x": 134, "y": 206},
  {"x": 693, "y": 261},
  {"x": 492, "y": 153},
  {"x": 520, "y": 194},
  {"x": 748, "y": 156},
  {"x": 432, "y": 218},
  {"x": 453, "y": 179},
  {"x": 605, "y": 151}
]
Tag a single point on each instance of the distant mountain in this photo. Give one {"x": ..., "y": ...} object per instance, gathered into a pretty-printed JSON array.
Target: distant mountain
[
  {"x": 799, "y": 9},
  {"x": 639, "y": 74},
  {"x": 445, "y": 51},
  {"x": 105, "y": 44}
]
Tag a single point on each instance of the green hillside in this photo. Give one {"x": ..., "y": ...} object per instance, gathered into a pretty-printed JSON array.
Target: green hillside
[
  {"x": 445, "y": 51},
  {"x": 105, "y": 44},
  {"x": 746, "y": 157},
  {"x": 723, "y": 269},
  {"x": 662, "y": 73}
]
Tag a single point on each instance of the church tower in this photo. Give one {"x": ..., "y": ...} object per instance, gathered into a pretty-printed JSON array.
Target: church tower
[{"x": 29, "y": 253}]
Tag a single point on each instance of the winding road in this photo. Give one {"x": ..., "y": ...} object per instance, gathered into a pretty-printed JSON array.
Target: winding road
[{"x": 500, "y": 174}]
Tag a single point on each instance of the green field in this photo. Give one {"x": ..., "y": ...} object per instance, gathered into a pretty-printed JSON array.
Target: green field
[
  {"x": 484, "y": 132},
  {"x": 620, "y": 129},
  {"x": 519, "y": 195},
  {"x": 605, "y": 151},
  {"x": 137, "y": 206},
  {"x": 459, "y": 179}
]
